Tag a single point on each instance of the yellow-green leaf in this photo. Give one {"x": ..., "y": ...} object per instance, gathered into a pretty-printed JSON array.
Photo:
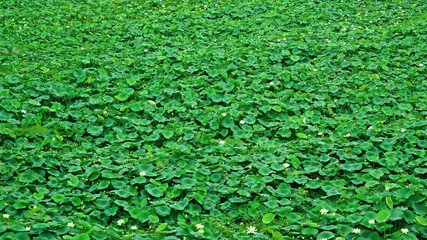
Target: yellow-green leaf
[
  {"x": 389, "y": 202},
  {"x": 312, "y": 224},
  {"x": 382, "y": 216},
  {"x": 277, "y": 235},
  {"x": 161, "y": 227},
  {"x": 302, "y": 135},
  {"x": 152, "y": 103},
  {"x": 199, "y": 198},
  {"x": 268, "y": 218},
  {"x": 32, "y": 129},
  {"x": 421, "y": 220}
]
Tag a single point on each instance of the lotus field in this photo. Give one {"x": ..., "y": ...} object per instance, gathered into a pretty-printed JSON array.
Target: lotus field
[{"x": 181, "y": 120}]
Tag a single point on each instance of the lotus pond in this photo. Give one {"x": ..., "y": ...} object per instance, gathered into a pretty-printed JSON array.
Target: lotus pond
[{"x": 165, "y": 119}]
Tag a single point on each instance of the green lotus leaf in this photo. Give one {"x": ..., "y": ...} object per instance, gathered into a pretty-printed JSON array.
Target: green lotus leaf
[
  {"x": 273, "y": 204},
  {"x": 74, "y": 181},
  {"x": 326, "y": 234},
  {"x": 265, "y": 171},
  {"x": 376, "y": 173},
  {"x": 354, "y": 218},
  {"x": 199, "y": 198},
  {"x": 309, "y": 231},
  {"x": 228, "y": 87},
  {"x": 153, "y": 218},
  {"x": 163, "y": 210},
  {"x": 293, "y": 217},
  {"x": 102, "y": 203},
  {"x": 277, "y": 166},
  {"x": 80, "y": 75},
  {"x": 233, "y": 214},
  {"x": 295, "y": 162},
  {"x": 295, "y": 58},
  {"x": 58, "y": 198},
  {"x": 302, "y": 135},
  {"x": 188, "y": 182},
  {"x": 277, "y": 235},
  {"x": 215, "y": 177},
  {"x": 284, "y": 202},
  {"x": 95, "y": 130},
  {"x": 389, "y": 202},
  {"x": 312, "y": 224},
  {"x": 76, "y": 201},
  {"x": 154, "y": 190},
  {"x": 382, "y": 216},
  {"x": 421, "y": 221},
  {"x": 38, "y": 196},
  {"x": 161, "y": 227}
]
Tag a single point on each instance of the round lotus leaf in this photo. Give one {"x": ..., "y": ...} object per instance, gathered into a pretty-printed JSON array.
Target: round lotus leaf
[
  {"x": 325, "y": 234},
  {"x": 265, "y": 171},
  {"x": 189, "y": 182},
  {"x": 310, "y": 231},
  {"x": 216, "y": 177},
  {"x": 154, "y": 190},
  {"x": 163, "y": 210}
]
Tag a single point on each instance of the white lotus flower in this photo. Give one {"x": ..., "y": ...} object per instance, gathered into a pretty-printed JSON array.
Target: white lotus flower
[
  {"x": 71, "y": 225},
  {"x": 222, "y": 142},
  {"x": 134, "y": 227},
  {"x": 272, "y": 83},
  {"x": 372, "y": 222},
  {"x": 251, "y": 229},
  {"x": 24, "y": 111},
  {"x": 224, "y": 114},
  {"x": 142, "y": 173},
  {"x": 369, "y": 128},
  {"x": 27, "y": 229},
  {"x": 199, "y": 226},
  {"x": 286, "y": 165},
  {"x": 120, "y": 222},
  {"x": 324, "y": 211},
  {"x": 356, "y": 230},
  {"x": 200, "y": 231},
  {"x": 404, "y": 230},
  {"x": 6, "y": 215},
  {"x": 242, "y": 122}
]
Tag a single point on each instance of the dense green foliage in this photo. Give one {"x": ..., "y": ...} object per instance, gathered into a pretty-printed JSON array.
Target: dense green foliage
[{"x": 300, "y": 118}]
